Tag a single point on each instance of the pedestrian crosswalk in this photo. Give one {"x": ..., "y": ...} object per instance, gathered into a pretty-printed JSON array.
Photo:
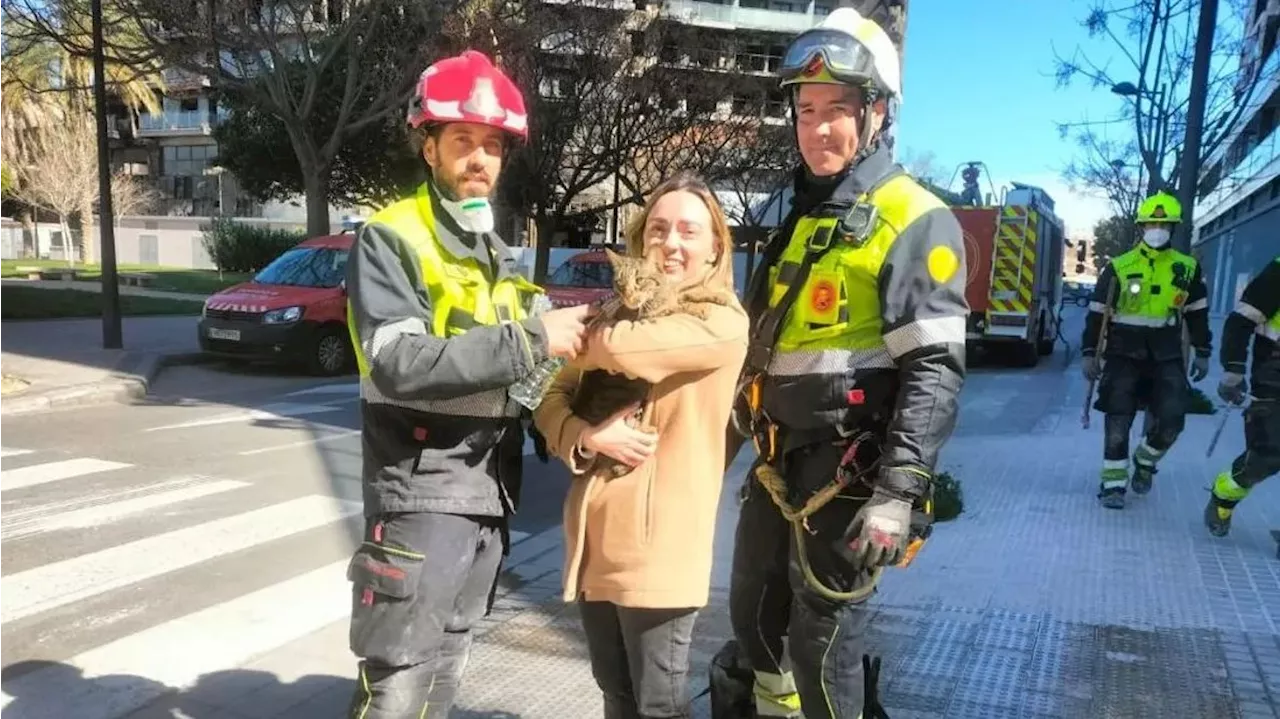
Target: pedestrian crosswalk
[{"x": 89, "y": 541}]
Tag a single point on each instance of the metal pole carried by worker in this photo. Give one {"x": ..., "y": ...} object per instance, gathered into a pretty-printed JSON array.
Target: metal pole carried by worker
[
  {"x": 1256, "y": 315},
  {"x": 1159, "y": 289}
]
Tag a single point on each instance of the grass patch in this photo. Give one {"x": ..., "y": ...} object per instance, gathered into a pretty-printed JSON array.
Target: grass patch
[
  {"x": 948, "y": 497},
  {"x": 168, "y": 279},
  {"x": 30, "y": 303}
]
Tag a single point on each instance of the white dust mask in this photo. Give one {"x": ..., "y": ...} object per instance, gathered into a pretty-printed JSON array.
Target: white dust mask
[
  {"x": 473, "y": 214},
  {"x": 1156, "y": 237}
]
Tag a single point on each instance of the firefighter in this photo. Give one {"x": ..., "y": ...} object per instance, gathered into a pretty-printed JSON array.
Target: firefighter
[
  {"x": 850, "y": 388},
  {"x": 438, "y": 317},
  {"x": 1257, "y": 313},
  {"x": 1149, "y": 292}
]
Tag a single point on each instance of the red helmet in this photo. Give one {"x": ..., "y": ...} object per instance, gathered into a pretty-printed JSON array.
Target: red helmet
[{"x": 468, "y": 88}]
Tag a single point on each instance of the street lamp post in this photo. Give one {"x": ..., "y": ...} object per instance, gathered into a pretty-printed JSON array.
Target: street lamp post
[{"x": 112, "y": 335}]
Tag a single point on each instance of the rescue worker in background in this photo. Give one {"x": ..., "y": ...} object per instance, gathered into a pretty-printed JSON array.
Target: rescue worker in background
[
  {"x": 1257, "y": 314},
  {"x": 438, "y": 319},
  {"x": 1150, "y": 291},
  {"x": 858, "y": 349}
]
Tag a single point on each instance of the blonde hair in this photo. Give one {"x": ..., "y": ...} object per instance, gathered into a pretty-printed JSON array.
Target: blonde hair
[{"x": 721, "y": 274}]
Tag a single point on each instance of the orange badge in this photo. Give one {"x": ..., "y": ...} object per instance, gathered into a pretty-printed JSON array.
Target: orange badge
[{"x": 823, "y": 296}]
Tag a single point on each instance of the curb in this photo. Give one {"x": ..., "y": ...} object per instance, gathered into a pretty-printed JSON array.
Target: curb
[{"x": 130, "y": 381}]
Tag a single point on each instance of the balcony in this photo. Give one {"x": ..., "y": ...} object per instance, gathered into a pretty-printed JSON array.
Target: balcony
[
  {"x": 707, "y": 14},
  {"x": 177, "y": 124}
]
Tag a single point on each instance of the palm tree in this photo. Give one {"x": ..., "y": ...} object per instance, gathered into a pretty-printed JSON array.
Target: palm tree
[{"x": 45, "y": 81}]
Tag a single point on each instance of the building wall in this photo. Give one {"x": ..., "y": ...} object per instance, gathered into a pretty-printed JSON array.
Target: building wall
[{"x": 1238, "y": 244}]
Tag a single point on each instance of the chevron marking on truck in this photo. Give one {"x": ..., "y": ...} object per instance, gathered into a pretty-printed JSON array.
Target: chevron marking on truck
[{"x": 1015, "y": 249}]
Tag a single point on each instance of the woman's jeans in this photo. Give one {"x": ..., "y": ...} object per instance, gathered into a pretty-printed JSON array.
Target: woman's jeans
[{"x": 640, "y": 658}]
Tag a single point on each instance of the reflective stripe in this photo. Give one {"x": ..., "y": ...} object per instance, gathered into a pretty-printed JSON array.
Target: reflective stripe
[
  {"x": 1226, "y": 487},
  {"x": 1121, "y": 464},
  {"x": 1144, "y": 321},
  {"x": 1097, "y": 307},
  {"x": 488, "y": 404},
  {"x": 1200, "y": 304},
  {"x": 1268, "y": 331},
  {"x": 808, "y": 362},
  {"x": 1146, "y": 455},
  {"x": 385, "y": 334},
  {"x": 922, "y": 333},
  {"x": 1251, "y": 313}
]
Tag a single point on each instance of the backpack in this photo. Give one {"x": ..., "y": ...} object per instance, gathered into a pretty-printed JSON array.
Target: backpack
[{"x": 732, "y": 684}]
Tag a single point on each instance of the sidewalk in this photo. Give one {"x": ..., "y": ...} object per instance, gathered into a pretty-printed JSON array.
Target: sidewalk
[
  {"x": 65, "y": 365},
  {"x": 1034, "y": 603}
]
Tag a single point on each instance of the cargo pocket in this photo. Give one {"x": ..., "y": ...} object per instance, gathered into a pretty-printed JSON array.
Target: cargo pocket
[{"x": 384, "y": 582}]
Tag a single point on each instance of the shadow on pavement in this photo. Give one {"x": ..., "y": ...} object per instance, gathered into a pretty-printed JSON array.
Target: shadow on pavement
[{"x": 219, "y": 695}]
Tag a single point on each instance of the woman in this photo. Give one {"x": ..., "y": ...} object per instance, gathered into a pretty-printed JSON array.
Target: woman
[{"x": 638, "y": 547}]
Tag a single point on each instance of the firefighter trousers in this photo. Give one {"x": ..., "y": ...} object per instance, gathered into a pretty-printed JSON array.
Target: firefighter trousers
[
  {"x": 1127, "y": 385},
  {"x": 420, "y": 581},
  {"x": 770, "y": 599},
  {"x": 1261, "y": 456}
]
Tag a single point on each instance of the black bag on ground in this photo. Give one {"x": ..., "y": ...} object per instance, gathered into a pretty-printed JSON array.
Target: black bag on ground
[{"x": 731, "y": 684}]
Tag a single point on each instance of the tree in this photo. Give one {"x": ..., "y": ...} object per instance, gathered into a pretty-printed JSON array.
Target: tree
[
  {"x": 378, "y": 47},
  {"x": 1156, "y": 42},
  {"x": 1112, "y": 237},
  {"x": 617, "y": 103},
  {"x": 373, "y": 167},
  {"x": 55, "y": 167},
  {"x": 43, "y": 77},
  {"x": 759, "y": 173},
  {"x": 923, "y": 166}
]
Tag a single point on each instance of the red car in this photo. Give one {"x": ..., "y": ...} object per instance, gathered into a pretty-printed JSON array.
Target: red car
[
  {"x": 293, "y": 311},
  {"x": 581, "y": 279}
]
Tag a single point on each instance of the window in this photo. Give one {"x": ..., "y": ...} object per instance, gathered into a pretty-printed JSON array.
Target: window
[
  {"x": 582, "y": 274},
  {"x": 187, "y": 160},
  {"x": 306, "y": 267}
]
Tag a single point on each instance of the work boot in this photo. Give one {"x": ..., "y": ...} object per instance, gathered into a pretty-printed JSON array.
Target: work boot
[
  {"x": 1143, "y": 476},
  {"x": 1217, "y": 517},
  {"x": 1112, "y": 498}
]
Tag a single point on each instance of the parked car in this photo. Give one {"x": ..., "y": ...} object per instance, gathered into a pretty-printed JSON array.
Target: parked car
[
  {"x": 581, "y": 279},
  {"x": 293, "y": 311}
]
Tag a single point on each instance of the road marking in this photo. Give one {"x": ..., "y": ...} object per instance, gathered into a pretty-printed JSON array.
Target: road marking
[
  {"x": 346, "y": 388},
  {"x": 6, "y": 452},
  {"x": 108, "y": 512},
  {"x": 174, "y": 655},
  {"x": 518, "y": 536},
  {"x": 278, "y": 410},
  {"x": 302, "y": 443},
  {"x": 54, "y": 472},
  {"x": 62, "y": 583}
]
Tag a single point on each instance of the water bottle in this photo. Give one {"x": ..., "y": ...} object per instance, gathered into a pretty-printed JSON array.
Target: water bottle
[{"x": 530, "y": 390}]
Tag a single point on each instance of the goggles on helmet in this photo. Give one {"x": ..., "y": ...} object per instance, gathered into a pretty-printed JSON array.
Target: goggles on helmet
[{"x": 846, "y": 59}]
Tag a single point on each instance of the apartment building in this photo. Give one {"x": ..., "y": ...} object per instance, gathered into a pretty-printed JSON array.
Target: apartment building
[
  {"x": 175, "y": 149},
  {"x": 1237, "y": 214}
]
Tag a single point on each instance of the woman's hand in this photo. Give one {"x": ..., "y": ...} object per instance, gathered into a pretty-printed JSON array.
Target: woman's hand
[{"x": 615, "y": 438}]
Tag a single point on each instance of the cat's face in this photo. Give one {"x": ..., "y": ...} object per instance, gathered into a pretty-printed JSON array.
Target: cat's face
[{"x": 637, "y": 279}]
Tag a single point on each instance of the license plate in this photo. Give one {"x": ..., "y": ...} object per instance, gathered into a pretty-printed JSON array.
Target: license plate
[{"x": 220, "y": 334}]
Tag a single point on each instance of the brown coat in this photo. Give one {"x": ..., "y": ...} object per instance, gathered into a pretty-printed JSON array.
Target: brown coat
[{"x": 645, "y": 539}]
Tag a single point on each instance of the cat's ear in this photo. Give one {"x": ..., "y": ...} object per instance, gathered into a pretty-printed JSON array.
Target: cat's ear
[{"x": 614, "y": 258}]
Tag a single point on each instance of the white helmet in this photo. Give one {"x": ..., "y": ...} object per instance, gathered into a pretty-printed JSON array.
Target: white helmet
[{"x": 844, "y": 48}]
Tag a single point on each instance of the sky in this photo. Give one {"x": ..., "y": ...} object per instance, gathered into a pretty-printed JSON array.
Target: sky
[{"x": 1002, "y": 108}]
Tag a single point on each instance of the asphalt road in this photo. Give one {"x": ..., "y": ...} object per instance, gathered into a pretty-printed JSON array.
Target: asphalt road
[{"x": 227, "y": 482}]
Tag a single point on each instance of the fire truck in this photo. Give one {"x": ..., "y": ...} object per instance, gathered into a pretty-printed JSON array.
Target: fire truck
[{"x": 1014, "y": 245}]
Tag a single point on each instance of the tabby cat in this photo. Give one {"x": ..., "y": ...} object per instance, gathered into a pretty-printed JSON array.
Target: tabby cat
[{"x": 643, "y": 292}]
